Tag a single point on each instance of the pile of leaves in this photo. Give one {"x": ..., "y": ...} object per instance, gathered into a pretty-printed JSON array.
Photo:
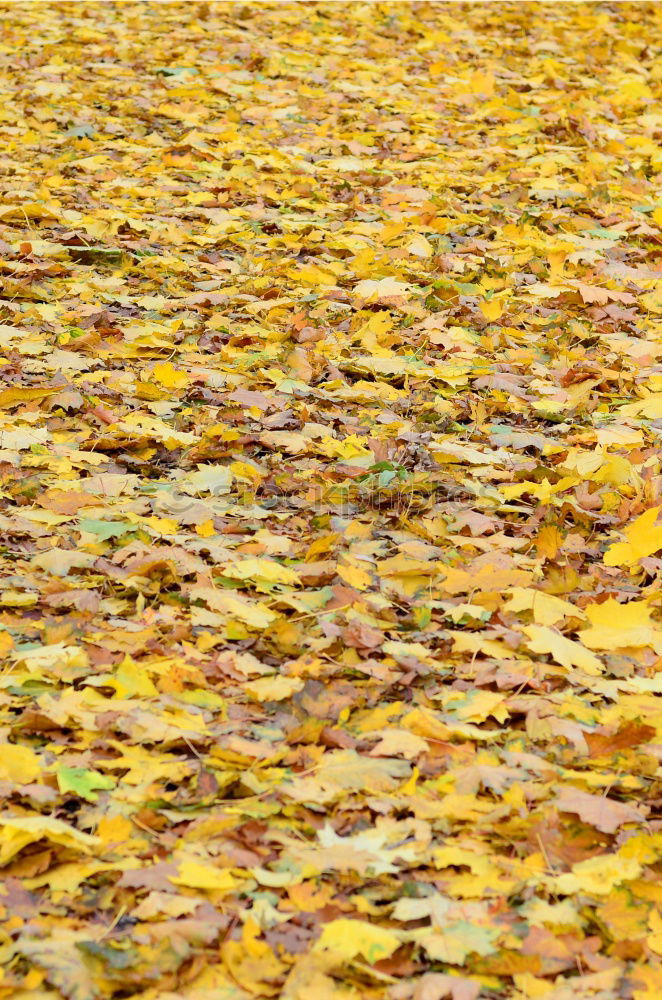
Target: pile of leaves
[{"x": 330, "y": 501}]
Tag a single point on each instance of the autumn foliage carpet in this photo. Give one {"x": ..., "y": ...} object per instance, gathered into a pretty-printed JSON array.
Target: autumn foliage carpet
[{"x": 330, "y": 471}]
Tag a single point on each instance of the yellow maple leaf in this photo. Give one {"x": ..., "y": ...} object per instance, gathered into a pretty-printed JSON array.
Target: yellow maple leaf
[
  {"x": 231, "y": 606},
  {"x": 643, "y": 538},
  {"x": 168, "y": 376},
  {"x": 566, "y": 652},
  {"x": 492, "y": 309},
  {"x": 531, "y": 986},
  {"x": 19, "y": 764},
  {"x": 261, "y": 569},
  {"x": 546, "y": 608},
  {"x": 346, "y": 939},
  {"x": 615, "y": 625},
  {"x": 205, "y": 529},
  {"x": 597, "y": 875},
  {"x": 159, "y": 525},
  {"x": 375, "y": 289},
  {"x": 355, "y": 576},
  {"x": 274, "y": 688},
  {"x": 132, "y": 680},
  {"x": 17, "y": 832},
  {"x": 195, "y": 874}
]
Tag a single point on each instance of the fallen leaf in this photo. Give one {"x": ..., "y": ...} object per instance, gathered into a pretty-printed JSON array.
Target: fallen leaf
[
  {"x": 597, "y": 810},
  {"x": 643, "y": 538},
  {"x": 568, "y": 653},
  {"x": 347, "y": 939}
]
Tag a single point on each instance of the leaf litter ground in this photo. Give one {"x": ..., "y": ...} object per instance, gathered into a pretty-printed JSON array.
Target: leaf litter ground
[{"x": 331, "y": 485}]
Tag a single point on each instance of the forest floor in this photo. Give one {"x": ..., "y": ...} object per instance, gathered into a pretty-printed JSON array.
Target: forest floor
[{"x": 330, "y": 470}]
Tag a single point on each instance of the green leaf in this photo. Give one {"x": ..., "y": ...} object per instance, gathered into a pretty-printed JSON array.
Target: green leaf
[
  {"x": 82, "y": 782},
  {"x": 106, "y": 529}
]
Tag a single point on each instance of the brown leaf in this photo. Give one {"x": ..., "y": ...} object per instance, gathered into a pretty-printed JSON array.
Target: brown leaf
[
  {"x": 604, "y": 814},
  {"x": 362, "y": 636},
  {"x": 632, "y": 734}
]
